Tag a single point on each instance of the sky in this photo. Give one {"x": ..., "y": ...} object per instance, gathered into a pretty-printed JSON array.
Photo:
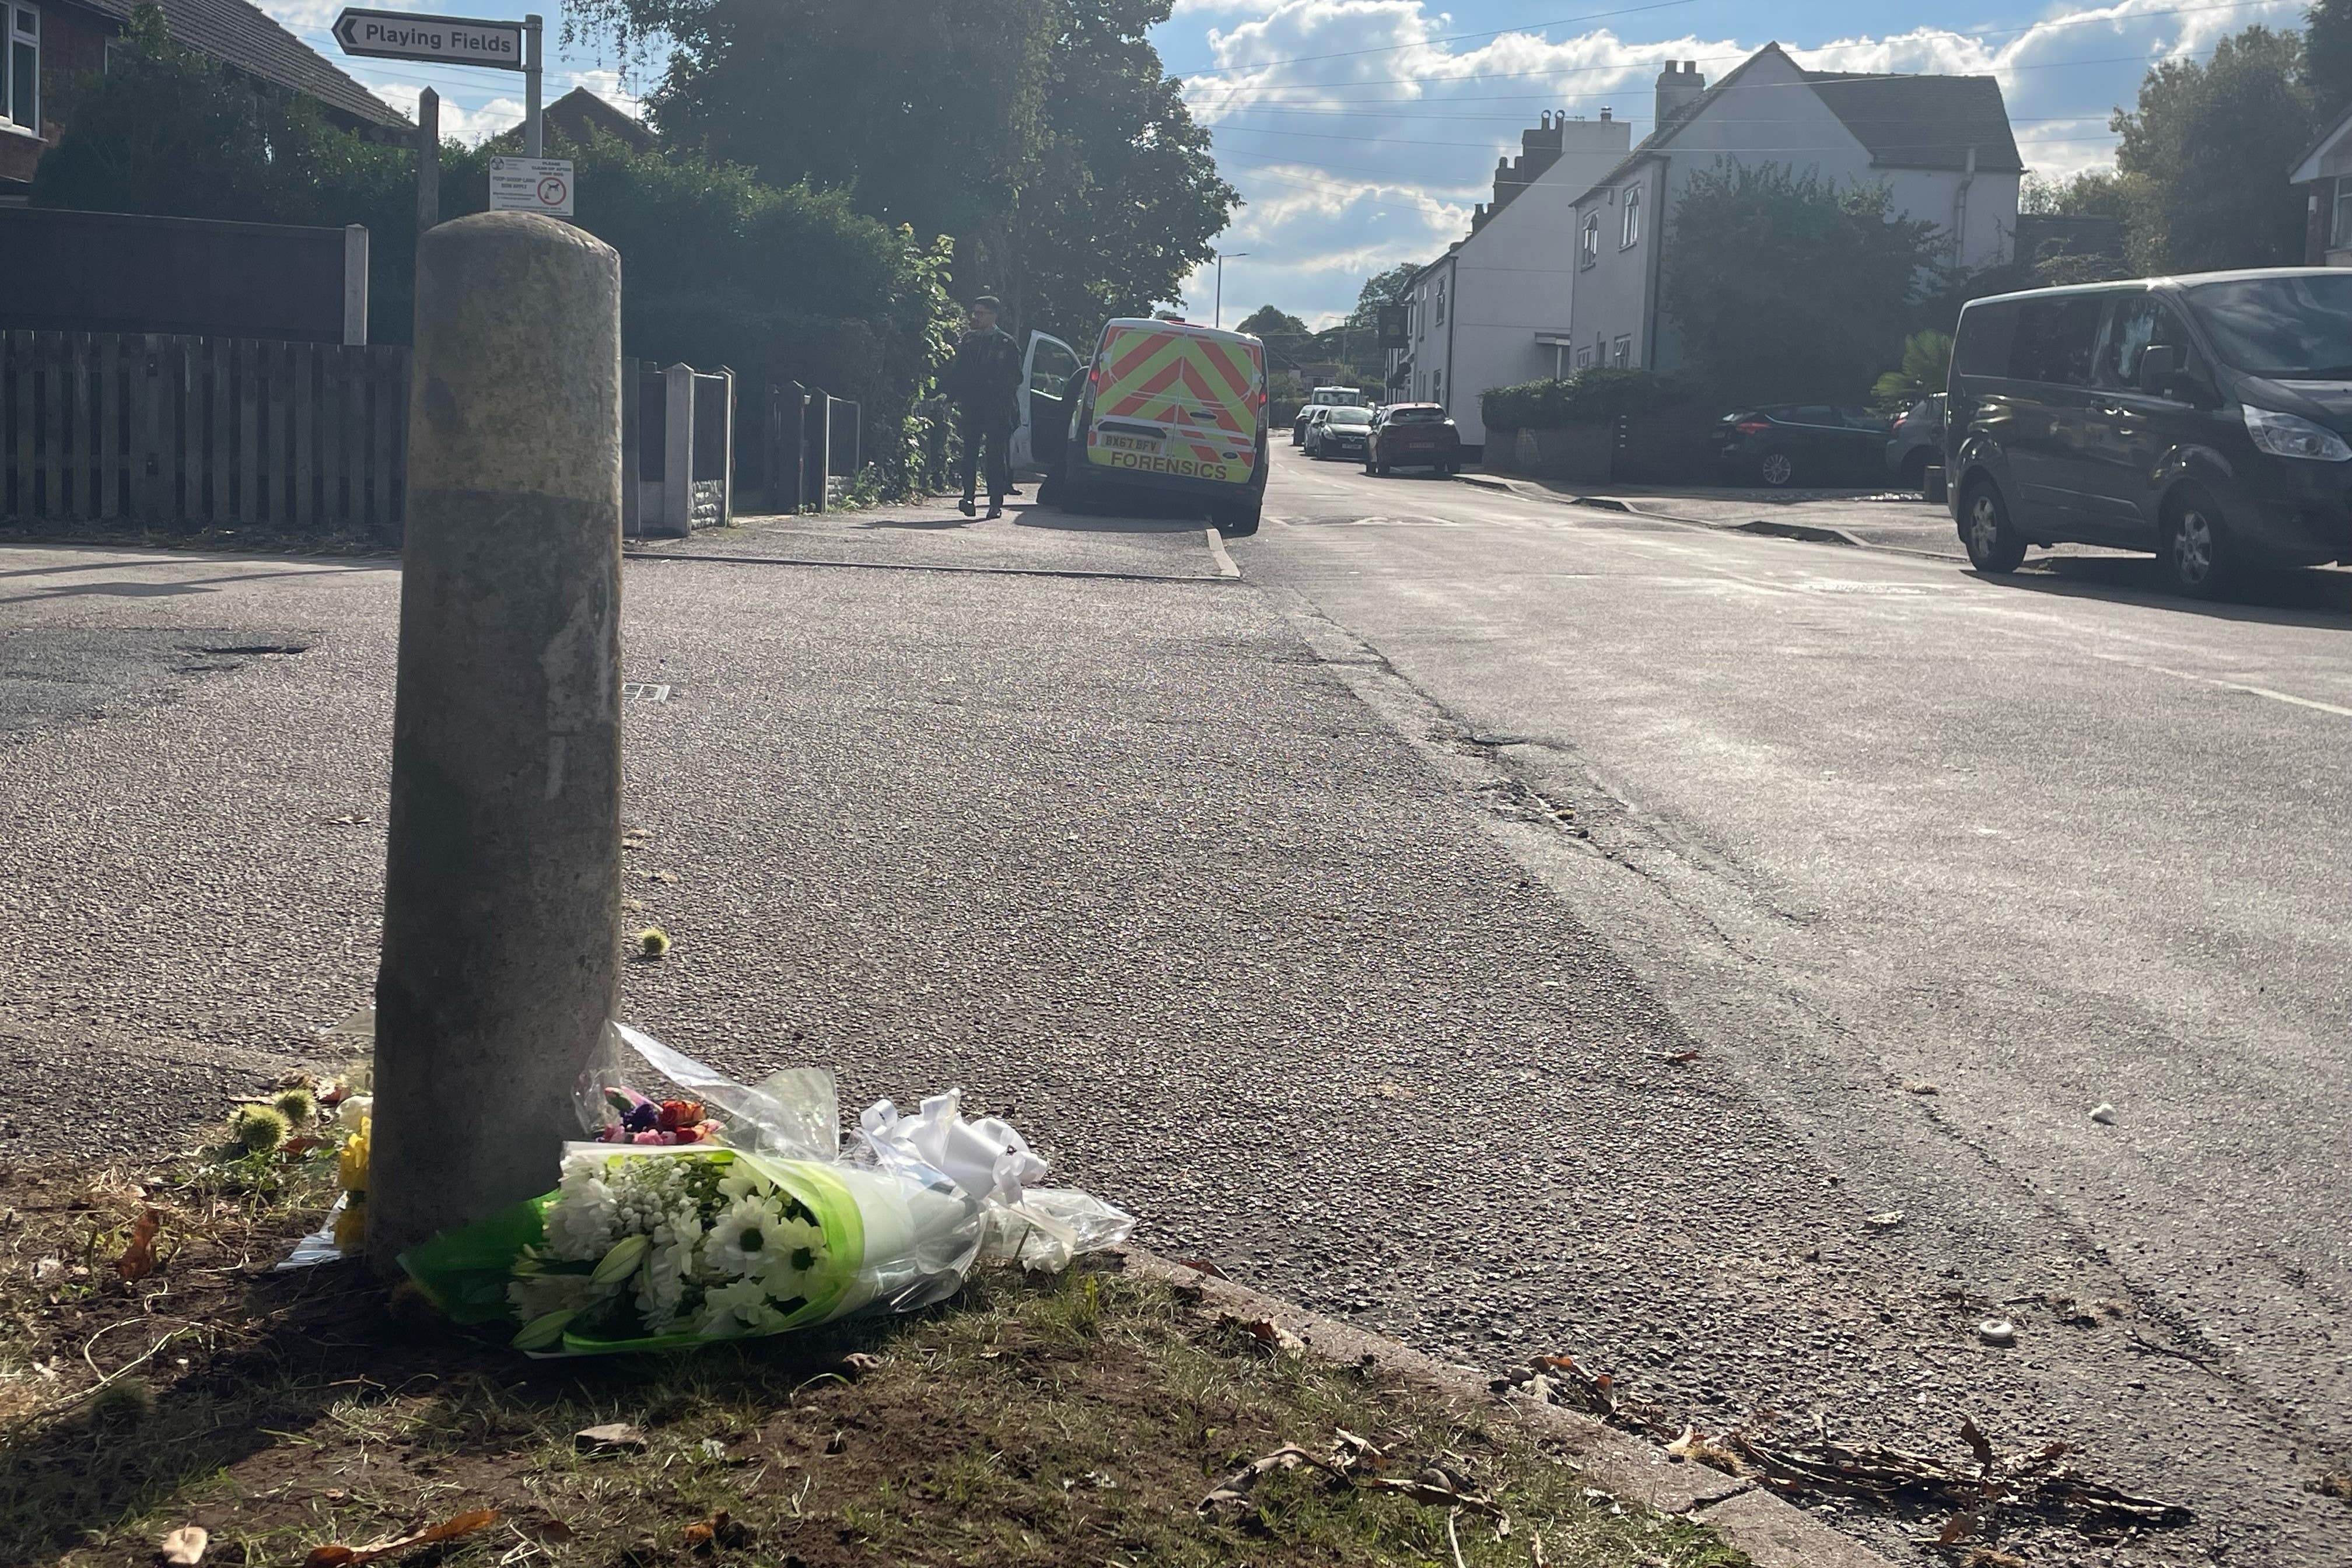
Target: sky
[{"x": 1361, "y": 132}]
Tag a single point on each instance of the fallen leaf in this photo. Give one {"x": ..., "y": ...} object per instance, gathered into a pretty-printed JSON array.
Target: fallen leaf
[
  {"x": 1265, "y": 1333},
  {"x": 719, "y": 1530},
  {"x": 1230, "y": 1498},
  {"x": 1201, "y": 1265},
  {"x": 184, "y": 1547},
  {"x": 138, "y": 1259},
  {"x": 2104, "y": 1114},
  {"x": 340, "y": 1556},
  {"x": 1920, "y": 1086},
  {"x": 1887, "y": 1221},
  {"x": 1679, "y": 1058},
  {"x": 857, "y": 1364},
  {"x": 617, "y": 1435}
]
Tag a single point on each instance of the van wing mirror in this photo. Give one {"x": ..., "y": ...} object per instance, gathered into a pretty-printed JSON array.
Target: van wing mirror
[{"x": 2159, "y": 366}]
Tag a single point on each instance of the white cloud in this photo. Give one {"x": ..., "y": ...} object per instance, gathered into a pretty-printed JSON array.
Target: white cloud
[
  {"x": 1360, "y": 135},
  {"x": 459, "y": 121}
]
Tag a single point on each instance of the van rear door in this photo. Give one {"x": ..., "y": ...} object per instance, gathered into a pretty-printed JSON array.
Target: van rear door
[{"x": 1173, "y": 402}]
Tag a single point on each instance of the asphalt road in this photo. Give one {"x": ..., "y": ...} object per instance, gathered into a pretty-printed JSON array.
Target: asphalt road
[
  {"x": 1864, "y": 820},
  {"x": 1507, "y": 923}
]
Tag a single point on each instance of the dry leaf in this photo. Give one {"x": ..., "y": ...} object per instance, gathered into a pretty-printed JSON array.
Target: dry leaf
[
  {"x": 184, "y": 1547},
  {"x": 1265, "y": 1333},
  {"x": 613, "y": 1434},
  {"x": 1681, "y": 1058},
  {"x": 1887, "y": 1221},
  {"x": 719, "y": 1530},
  {"x": 450, "y": 1529},
  {"x": 138, "y": 1259}
]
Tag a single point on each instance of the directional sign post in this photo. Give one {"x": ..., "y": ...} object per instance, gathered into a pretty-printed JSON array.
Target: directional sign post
[{"x": 452, "y": 40}]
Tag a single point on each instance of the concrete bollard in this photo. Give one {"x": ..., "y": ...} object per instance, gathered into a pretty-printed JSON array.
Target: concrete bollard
[{"x": 500, "y": 960}]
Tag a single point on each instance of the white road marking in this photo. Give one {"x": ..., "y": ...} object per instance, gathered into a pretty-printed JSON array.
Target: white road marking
[
  {"x": 2229, "y": 685},
  {"x": 1226, "y": 567}
]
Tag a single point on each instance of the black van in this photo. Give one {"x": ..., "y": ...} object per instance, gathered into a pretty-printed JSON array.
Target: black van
[{"x": 2202, "y": 417}]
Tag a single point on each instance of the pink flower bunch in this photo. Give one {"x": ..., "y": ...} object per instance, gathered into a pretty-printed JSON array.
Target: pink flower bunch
[{"x": 667, "y": 1121}]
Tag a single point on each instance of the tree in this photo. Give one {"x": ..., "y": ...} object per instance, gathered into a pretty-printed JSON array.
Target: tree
[
  {"x": 1926, "y": 367},
  {"x": 1126, "y": 198},
  {"x": 1783, "y": 287},
  {"x": 719, "y": 267},
  {"x": 2327, "y": 58},
  {"x": 1040, "y": 134},
  {"x": 1272, "y": 324},
  {"x": 1382, "y": 288},
  {"x": 2205, "y": 157},
  {"x": 2094, "y": 193}
]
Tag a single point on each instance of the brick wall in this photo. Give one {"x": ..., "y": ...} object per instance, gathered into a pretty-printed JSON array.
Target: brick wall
[{"x": 73, "y": 45}]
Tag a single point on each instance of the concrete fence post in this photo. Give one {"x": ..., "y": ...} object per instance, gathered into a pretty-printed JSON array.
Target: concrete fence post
[
  {"x": 677, "y": 450},
  {"x": 501, "y": 957}
]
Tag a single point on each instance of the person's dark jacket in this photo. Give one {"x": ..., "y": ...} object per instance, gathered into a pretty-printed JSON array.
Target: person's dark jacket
[{"x": 985, "y": 375}]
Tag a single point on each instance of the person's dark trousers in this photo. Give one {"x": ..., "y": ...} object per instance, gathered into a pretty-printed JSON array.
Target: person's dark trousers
[{"x": 981, "y": 430}]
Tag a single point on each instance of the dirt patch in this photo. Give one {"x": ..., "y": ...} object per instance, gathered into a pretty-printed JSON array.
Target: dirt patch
[{"x": 1080, "y": 1420}]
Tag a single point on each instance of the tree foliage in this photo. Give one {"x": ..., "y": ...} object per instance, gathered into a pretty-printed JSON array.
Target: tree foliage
[
  {"x": 1273, "y": 325},
  {"x": 1784, "y": 287},
  {"x": 718, "y": 268},
  {"x": 2204, "y": 157},
  {"x": 1041, "y": 134},
  {"x": 2094, "y": 193},
  {"x": 1382, "y": 289},
  {"x": 2327, "y": 58},
  {"x": 1593, "y": 395},
  {"x": 1926, "y": 367}
]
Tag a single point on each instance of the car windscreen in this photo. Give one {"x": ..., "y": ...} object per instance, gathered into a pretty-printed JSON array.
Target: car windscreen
[
  {"x": 1350, "y": 417},
  {"x": 2283, "y": 328},
  {"x": 1416, "y": 416}
]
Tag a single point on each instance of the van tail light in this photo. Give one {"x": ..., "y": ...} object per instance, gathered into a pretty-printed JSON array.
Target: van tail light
[{"x": 1753, "y": 426}]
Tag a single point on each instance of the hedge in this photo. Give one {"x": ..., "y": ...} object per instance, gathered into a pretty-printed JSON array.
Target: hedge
[{"x": 1591, "y": 397}]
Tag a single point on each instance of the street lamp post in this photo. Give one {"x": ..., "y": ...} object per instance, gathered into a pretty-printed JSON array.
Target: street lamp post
[{"x": 1218, "y": 318}]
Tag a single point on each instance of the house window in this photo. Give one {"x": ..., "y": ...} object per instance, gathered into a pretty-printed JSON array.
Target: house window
[
  {"x": 1632, "y": 215},
  {"x": 1588, "y": 246},
  {"x": 1584, "y": 359},
  {"x": 20, "y": 94},
  {"x": 1440, "y": 302},
  {"x": 1437, "y": 386},
  {"x": 2341, "y": 230},
  {"x": 1622, "y": 355}
]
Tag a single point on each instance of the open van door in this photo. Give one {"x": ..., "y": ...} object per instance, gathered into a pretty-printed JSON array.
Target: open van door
[{"x": 1045, "y": 424}]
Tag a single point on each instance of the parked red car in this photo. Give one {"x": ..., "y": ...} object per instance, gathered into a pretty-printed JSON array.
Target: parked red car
[{"x": 1414, "y": 436}]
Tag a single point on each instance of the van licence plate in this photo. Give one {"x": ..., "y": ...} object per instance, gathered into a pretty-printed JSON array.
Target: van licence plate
[{"x": 1110, "y": 441}]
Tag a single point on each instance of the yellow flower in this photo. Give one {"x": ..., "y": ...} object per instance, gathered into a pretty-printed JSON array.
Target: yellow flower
[{"x": 351, "y": 1164}]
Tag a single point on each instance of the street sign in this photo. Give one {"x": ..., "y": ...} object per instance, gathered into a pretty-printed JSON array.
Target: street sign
[
  {"x": 531, "y": 185},
  {"x": 453, "y": 40}
]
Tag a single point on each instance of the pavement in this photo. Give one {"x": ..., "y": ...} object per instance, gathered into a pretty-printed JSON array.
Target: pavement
[{"x": 1236, "y": 894}]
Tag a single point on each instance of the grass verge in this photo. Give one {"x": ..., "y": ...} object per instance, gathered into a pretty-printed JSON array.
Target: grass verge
[{"x": 1078, "y": 1420}]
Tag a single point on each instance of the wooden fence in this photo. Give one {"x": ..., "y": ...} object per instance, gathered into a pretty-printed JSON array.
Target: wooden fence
[{"x": 188, "y": 433}]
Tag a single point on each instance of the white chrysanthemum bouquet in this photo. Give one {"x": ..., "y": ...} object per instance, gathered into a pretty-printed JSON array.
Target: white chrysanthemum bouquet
[{"x": 648, "y": 1245}]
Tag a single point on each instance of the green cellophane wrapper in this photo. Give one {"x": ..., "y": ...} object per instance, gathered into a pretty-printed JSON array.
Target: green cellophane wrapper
[{"x": 465, "y": 1272}]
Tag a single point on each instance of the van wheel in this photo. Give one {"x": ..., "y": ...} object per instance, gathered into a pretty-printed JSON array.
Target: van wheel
[
  {"x": 2197, "y": 555},
  {"x": 1776, "y": 469},
  {"x": 1994, "y": 544},
  {"x": 1236, "y": 520}
]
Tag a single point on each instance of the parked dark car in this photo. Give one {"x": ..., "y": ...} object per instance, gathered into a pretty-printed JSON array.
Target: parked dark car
[
  {"x": 1803, "y": 444},
  {"x": 2203, "y": 417},
  {"x": 1917, "y": 442},
  {"x": 1341, "y": 433},
  {"x": 1414, "y": 436}
]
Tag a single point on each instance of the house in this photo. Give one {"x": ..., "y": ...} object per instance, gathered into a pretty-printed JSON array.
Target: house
[
  {"x": 53, "y": 45},
  {"x": 2324, "y": 169},
  {"x": 1493, "y": 310},
  {"x": 1941, "y": 144},
  {"x": 569, "y": 119}
]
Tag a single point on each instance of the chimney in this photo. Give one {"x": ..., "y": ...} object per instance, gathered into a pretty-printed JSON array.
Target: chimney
[
  {"x": 1604, "y": 114},
  {"x": 1679, "y": 86}
]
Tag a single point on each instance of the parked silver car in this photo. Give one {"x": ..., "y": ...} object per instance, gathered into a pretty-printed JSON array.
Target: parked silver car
[{"x": 1917, "y": 442}]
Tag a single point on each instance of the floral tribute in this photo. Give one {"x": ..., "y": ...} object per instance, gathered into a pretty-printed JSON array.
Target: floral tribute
[{"x": 709, "y": 1244}]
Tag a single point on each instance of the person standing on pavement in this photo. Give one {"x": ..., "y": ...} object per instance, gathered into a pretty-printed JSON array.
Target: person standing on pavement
[{"x": 984, "y": 380}]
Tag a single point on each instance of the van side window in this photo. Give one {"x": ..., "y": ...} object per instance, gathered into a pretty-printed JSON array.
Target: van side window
[
  {"x": 2056, "y": 339},
  {"x": 2137, "y": 322},
  {"x": 1986, "y": 333}
]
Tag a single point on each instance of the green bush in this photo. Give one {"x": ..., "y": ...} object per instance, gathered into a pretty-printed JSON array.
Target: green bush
[
  {"x": 717, "y": 268},
  {"x": 1591, "y": 397}
]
